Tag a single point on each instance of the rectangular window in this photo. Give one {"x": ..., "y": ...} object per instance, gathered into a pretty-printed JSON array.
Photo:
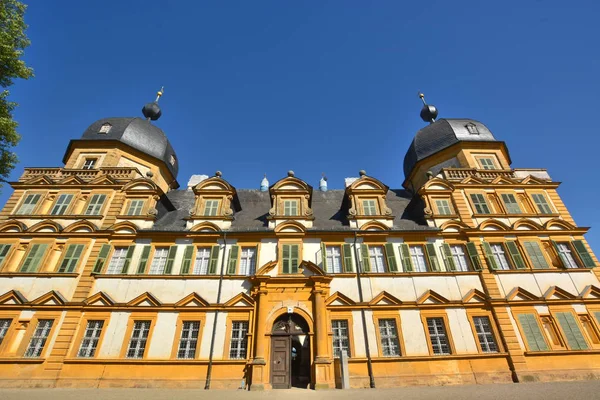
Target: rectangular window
[
  {"x": 541, "y": 204},
  {"x": 565, "y": 254},
  {"x": 388, "y": 333},
  {"x": 159, "y": 261},
  {"x": 61, "y": 205},
  {"x": 290, "y": 208},
  {"x": 481, "y": 206},
  {"x": 4, "y": 325},
  {"x": 485, "y": 334},
  {"x": 510, "y": 202},
  {"x": 377, "y": 259},
  {"x": 89, "y": 163},
  {"x": 571, "y": 330},
  {"x": 290, "y": 256},
  {"x": 334, "y": 259},
  {"x": 29, "y": 204},
  {"x": 34, "y": 257},
  {"x": 211, "y": 208},
  {"x": 248, "y": 261},
  {"x": 499, "y": 256},
  {"x": 139, "y": 337},
  {"x": 417, "y": 257},
  {"x": 89, "y": 343},
  {"x": 202, "y": 261},
  {"x": 369, "y": 207},
  {"x": 135, "y": 207},
  {"x": 443, "y": 207},
  {"x": 535, "y": 255},
  {"x": 459, "y": 257},
  {"x": 437, "y": 336},
  {"x": 38, "y": 339},
  {"x": 189, "y": 340},
  {"x": 487, "y": 163},
  {"x": 239, "y": 340},
  {"x": 72, "y": 256},
  {"x": 533, "y": 333},
  {"x": 341, "y": 341},
  {"x": 4, "y": 249},
  {"x": 117, "y": 261},
  {"x": 95, "y": 205}
]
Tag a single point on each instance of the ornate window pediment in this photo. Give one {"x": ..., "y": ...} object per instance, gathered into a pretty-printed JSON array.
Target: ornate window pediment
[
  {"x": 366, "y": 198},
  {"x": 216, "y": 201},
  {"x": 291, "y": 199}
]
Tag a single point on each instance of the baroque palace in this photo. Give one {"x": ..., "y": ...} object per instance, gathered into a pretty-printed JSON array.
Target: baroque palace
[{"x": 113, "y": 276}]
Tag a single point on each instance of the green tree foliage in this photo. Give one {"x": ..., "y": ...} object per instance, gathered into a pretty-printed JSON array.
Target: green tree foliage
[{"x": 12, "y": 43}]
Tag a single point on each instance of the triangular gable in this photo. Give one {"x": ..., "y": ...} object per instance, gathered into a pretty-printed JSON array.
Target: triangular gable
[
  {"x": 40, "y": 180},
  {"x": 431, "y": 297},
  {"x": 519, "y": 293},
  {"x": 192, "y": 300},
  {"x": 312, "y": 267},
  {"x": 338, "y": 299},
  {"x": 473, "y": 179},
  {"x": 241, "y": 300},
  {"x": 71, "y": 180},
  {"x": 266, "y": 268},
  {"x": 590, "y": 292},
  {"x": 532, "y": 180},
  {"x": 52, "y": 298},
  {"x": 12, "y": 297},
  {"x": 556, "y": 293},
  {"x": 145, "y": 299},
  {"x": 502, "y": 180},
  {"x": 103, "y": 180},
  {"x": 99, "y": 299},
  {"x": 385, "y": 299},
  {"x": 474, "y": 296}
]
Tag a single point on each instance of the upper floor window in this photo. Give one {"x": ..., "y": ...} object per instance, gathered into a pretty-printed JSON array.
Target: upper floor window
[
  {"x": 105, "y": 128},
  {"x": 172, "y": 160},
  {"x": 4, "y": 325},
  {"x": 89, "y": 163},
  {"x": 95, "y": 204},
  {"x": 290, "y": 208},
  {"x": 459, "y": 257},
  {"x": 61, "y": 205},
  {"x": 159, "y": 261},
  {"x": 541, "y": 203},
  {"x": 333, "y": 257},
  {"x": 369, "y": 207},
  {"x": 481, "y": 206},
  {"x": 377, "y": 259},
  {"x": 290, "y": 254},
  {"x": 34, "y": 257},
  {"x": 211, "y": 208},
  {"x": 117, "y": 261},
  {"x": 417, "y": 256},
  {"x": 499, "y": 255},
  {"x": 487, "y": 163},
  {"x": 202, "y": 261},
  {"x": 472, "y": 128},
  {"x": 135, "y": 207},
  {"x": 443, "y": 207},
  {"x": 510, "y": 202},
  {"x": 72, "y": 256},
  {"x": 29, "y": 204},
  {"x": 565, "y": 254},
  {"x": 248, "y": 261},
  {"x": 535, "y": 255}
]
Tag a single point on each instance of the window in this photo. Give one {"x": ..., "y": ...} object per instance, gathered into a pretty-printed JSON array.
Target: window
[
  {"x": 89, "y": 163},
  {"x": 89, "y": 343},
  {"x": 172, "y": 160},
  {"x": 4, "y": 249},
  {"x": 377, "y": 259},
  {"x": 105, "y": 128},
  {"x": 532, "y": 332},
  {"x": 290, "y": 208},
  {"x": 95, "y": 205},
  {"x": 333, "y": 259},
  {"x": 29, "y": 204},
  {"x": 4, "y": 325},
  {"x": 211, "y": 208},
  {"x": 34, "y": 257},
  {"x": 139, "y": 336},
  {"x": 38, "y": 339},
  {"x": 248, "y": 261},
  {"x": 202, "y": 261},
  {"x": 369, "y": 207},
  {"x": 71, "y": 258},
  {"x": 480, "y": 204},
  {"x": 487, "y": 163},
  {"x": 239, "y": 340},
  {"x": 417, "y": 257},
  {"x": 472, "y": 128},
  {"x": 189, "y": 340},
  {"x": 341, "y": 341},
  {"x": 159, "y": 261},
  {"x": 388, "y": 334},
  {"x": 459, "y": 257},
  {"x": 512, "y": 207},
  {"x": 437, "y": 336},
  {"x": 499, "y": 256},
  {"x": 565, "y": 254},
  {"x": 61, "y": 205},
  {"x": 541, "y": 204},
  {"x": 569, "y": 326},
  {"x": 117, "y": 261},
  {"x": 135, "y": 207},
  {"x": 535, "y": 255},
  {"x": 443, "y": 207},
  {"x": 485, "y": 334},
  {"x": 290, "y": 258}
]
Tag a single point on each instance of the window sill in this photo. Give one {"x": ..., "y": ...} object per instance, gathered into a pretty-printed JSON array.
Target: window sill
[
  {"x": 536, "y": 271},
  {"x": 40, "y": 274},
  {"x": 414, "y": 273},
  {"x": 21, "y": 360},
  {"x": 149, "y": 361},
  {"x": 561, "y": 352},
  {"x": 48, "y": 216},
  {"x": 136, "y": 217},
  {"x": 146, "y": 276},
  {"x": 430, "y": 357},
  {"x": 496, "y": 215}
]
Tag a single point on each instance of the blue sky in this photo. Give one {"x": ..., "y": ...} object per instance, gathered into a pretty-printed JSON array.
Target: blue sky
[{"x": 254, "y": 87}]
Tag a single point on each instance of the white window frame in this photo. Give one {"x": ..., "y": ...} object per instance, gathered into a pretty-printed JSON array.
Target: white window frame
[
  {"x": 248, "y": 261},
  {"x": 480, "y": 202},
  {"x": 90, "y": 339},
  {"x": 541, "y": 203},
  {"x": 461, "y": 262},
  {"x": 188, "y": 341},
  {"x": 135, "y": 207},
  {"x": 486, "y": 164},
  {"x": 39, "y": 338},
  {"x": 201, "y": 261},
  {"x": 388, "y": 334},
  {"x": 438, "y": 336},
  {"x": 89, "y": 163},
  {"x": 333, "y": 257},
  {"x": 419, "y": 261},
  {"x": 95, "y": 204},
  {"x": 499, "y": 255},
  {"x": 4, "y": 325},
  {"x": 159, "y": 261},
  {"x": 238, "y": 347},
  {"x": 341, "y": 337},
  {"x": 443, "y": 206},
  {"x": 117, "y": 261},
  {"x": 138, "y": 339},
  {"x": 62, "y": 204},
  {"x": 211, "y": 207},
  {"x": 511, "y": 203},
  {"x": 377, "y": 259},
  {"x": 369, "y": 206},
  {"x": 567, "y": 255},
  {"x": 29, "y": 204},
  {"x": 485, "y": 334},
  {"x": 290, "y": 208}
]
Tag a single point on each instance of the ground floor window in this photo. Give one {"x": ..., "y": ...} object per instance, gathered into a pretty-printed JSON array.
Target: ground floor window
[{"x": 341, "y": 340}]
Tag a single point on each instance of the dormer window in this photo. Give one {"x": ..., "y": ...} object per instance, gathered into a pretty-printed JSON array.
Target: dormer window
[
  {"x": 211, "y": 207},
  {"x": 472, "y": 128},
  {"x": 369, "y": 207},
  {"x": 290, "y": 208},
  {"x": 89, "y": 163},
  {"x": 104, "y": 129},
  {"x": 172, "y": 160}
]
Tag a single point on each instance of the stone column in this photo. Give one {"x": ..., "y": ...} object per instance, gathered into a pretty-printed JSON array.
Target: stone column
[
  {"x": 322, "y": 360},
  {"x": 259, "y": 363}
]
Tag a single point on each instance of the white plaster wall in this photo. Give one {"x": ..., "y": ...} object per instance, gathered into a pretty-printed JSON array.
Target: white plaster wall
[
  {"x": 373, "y": 345},
  {"x": 163, "y": 335},
  {"x": 516, "y": 328},
  {"x": 267, "y": 252},
  {"x": 415, "y": 342},
  {"x": 580, "y": 308},
  {"x": 582, "y": 280},
  {"x": 26, "y": 315},
  {"x": 359, "y": 338},
  {"x": 573, "y": 283},
  {"x": 507, "y": 282},
  {"x": 114, "y": 336},
  {"x": 220, "y": 338},
  {"x": 34, "y": 287},
  {"x": 311, "y": 250},
  {"x": 57, "y": 324},
  {"x": 443, "y": 285},
  {"x": 462, "y": 334},
  {"x": 541, "y": 309}
]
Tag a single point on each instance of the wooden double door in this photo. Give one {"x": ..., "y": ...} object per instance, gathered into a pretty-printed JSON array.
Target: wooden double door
[{"x": 281, "y": 365}]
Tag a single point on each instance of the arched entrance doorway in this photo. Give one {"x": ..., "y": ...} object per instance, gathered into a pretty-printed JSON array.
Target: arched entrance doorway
[{"x": 290, "y": 352}]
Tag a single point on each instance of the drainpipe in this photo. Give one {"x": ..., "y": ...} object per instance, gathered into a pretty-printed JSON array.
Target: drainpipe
[
  {"x": 214, "y": 329},
  {"x": 362, "y": 314}
]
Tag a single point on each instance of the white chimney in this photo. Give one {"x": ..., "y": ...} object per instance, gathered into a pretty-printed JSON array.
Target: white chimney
[{"x": 194, "y": 180}]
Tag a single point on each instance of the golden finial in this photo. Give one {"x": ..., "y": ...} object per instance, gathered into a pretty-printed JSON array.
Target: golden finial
[{"x": 159, "y": 93}]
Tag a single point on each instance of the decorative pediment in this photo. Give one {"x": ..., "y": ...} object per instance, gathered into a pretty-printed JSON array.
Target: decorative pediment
[
  {"x": 532, "y": 180},
  {"x": 437, "y": 185},
  {"x": 141, "y": 184},
  {"x": 291, "y": 190},
  {"x": 80, "y": 226},
  {"x": 556, "y": 293},
  {"x": 526, "y": 225},
  {"x": 493, "y": 225},
  {"x": 338, "y": 299},
  {"x": 145, "y": 299},
  {"x": 385, "y": 299},
  {"x": 474, "y": 296},
  {"x": 99, "y": 299},
  {"x": 103, "y": 180},
  {"x": 290, "y": 227},
  {"x": 473, "y": 180},
  {"x": 124, "y": 227},
  {"x": 73, "y": 180},
  {"x": 39, "y": 180},
  {"x": 268, "y": 267},
  {"x": 374, "y": 226},
  {"x": 218, "y": 196},
  {"x": 366, "y": 198},
  {"x": 590, "y": 292},
  {"x": 46, "y": 226},
  {"x": 558, "y": 224},
  {"x": 52, "y": 298},
  {"x": 12, "y": 297},
  {"x": 368, "y": 183},
  {"x": 13, "y": 226},
  {"x": 502, "y": 180},
  {"x": 311, "y": 267},
  {"x": 432, "y": 297},
  {"x": 205, "y": 226},
  {"x": 454, "y": 226},
  {"x": 241, "y": 300},
  {"x": 192, "y": 300},
  {"x": 520, "y": 294}
]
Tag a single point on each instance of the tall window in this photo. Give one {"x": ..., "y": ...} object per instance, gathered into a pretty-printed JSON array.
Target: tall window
[
  {"x": 377, "y": 259},
  {"x": 38, "y": 340},
  {"x": 290, "y": 258},
  {"x": 499, "y": 255},
  {"x": 472, "y": 128},
  {"x": 34, "y": 257},
  {"x": 333, "y": 259},
  {"x": 72, "y": 256},
  {"x": 369, "y": 207},
  {"x": 159, "y": 261},
  {"x": 248, "y": 261},
  {"x": 189, "y": 340},
  {"x": 29, "y": 204},
  {"x": 535, "y": 255},
  {"x": 95, "y": 205},
  {"x": 437, "y": 336},
  {"x": 105, "y": 128},
  {"x": 417, "y": 257},
  {"x": 135, "y": 207},
  {"x": 117, "y": 261},
  {"x": 211, "y": 207},
  {"x": 202, "y": 260},
  {"x": 481, "y": 206},
  {"x": 290, "y": 208},
  {"x": 90, "y": 339},
  {"x": 541, "y": 204},
  {"x": 139, "y": 337},
  {"x": 388, "y": 333},
  {"x": 510, "y": 202},
  {"x": 239, "y": 340},
  {"x": 4, "y": 324},
  {"x": 487, "y": 163},
  {"x": 485, "y": 334},
  {"x": 443, "y": 207},
  {"x": 459, "y": 257},
  {"x": 341, "y": 341},
  {"x": 89, "y": 163},
  {"x": 564, "y": 251},
  {"x": 61, "y": 205}
]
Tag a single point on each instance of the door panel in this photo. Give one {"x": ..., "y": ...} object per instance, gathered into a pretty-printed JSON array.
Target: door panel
[{"x": 280, "y": 362}]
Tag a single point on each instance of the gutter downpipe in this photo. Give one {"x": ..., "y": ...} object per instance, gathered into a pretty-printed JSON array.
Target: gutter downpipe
[
  {"x": 362, "y": 314},
  {"x": 214, "y": 328}
]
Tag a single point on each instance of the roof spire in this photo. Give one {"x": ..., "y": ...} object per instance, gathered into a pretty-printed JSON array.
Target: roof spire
[
  {"x": 264, "y": 184},
  {"x": 159, "y": 93},
  {"x": 428, "y": 113},
  {"x": 151, "y": 110}
]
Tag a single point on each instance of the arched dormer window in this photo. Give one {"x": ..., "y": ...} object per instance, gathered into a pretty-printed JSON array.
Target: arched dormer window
[
  {"x": 291, "y": 200},
  {"x": 105, "y": 128},
  {"x": 472, "y": 128},
  {"x": 367, "y": 202},
  {"x": 216, "y": 202}
]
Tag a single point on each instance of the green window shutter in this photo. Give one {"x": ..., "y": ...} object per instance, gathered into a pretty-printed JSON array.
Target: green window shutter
[
  {"x": 432, "y": 256},
  {"x": 294, "y": 258},
  {"x": 488, "y": 256},
  {"x": 143, "y": 260},
  {"x": 448, "y": 257},
  {"x": 187, "y": 260},
  {"x": 533, "y": 333},
  {"x": 4, "y": 249},
  {"x": 348, "y": 265},
  {"x": 572, "y": 332},
  {"x": 406, "y": 259},
  {"x": 71, "y": 258},
  {"x": 323, "y": 257},
  {"x": 515, "y": 255},
  {"x": 285, "y": 255},
  {"x": 170, "y": 260},
  {"x": 101, "y": 259},
  {"x": 34, "y": 258},
  {"x": 391, "y": 257},
  {"x": 233, "y": 259},
  {"x": 597, "y": 315},
  {"x": 474, "y": 256},
  {"x": 535, "y": 255},
  {"x": 585, "y": 257},
  {"x": 560, "y": 255},
  {"x": 366, "y": 263},
  {"x": 214, "y": 258},
  {"x": 130, "y": 251}
]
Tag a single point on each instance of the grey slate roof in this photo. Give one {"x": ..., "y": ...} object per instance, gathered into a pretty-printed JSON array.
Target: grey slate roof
[{"x": 330, "y": 210}]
